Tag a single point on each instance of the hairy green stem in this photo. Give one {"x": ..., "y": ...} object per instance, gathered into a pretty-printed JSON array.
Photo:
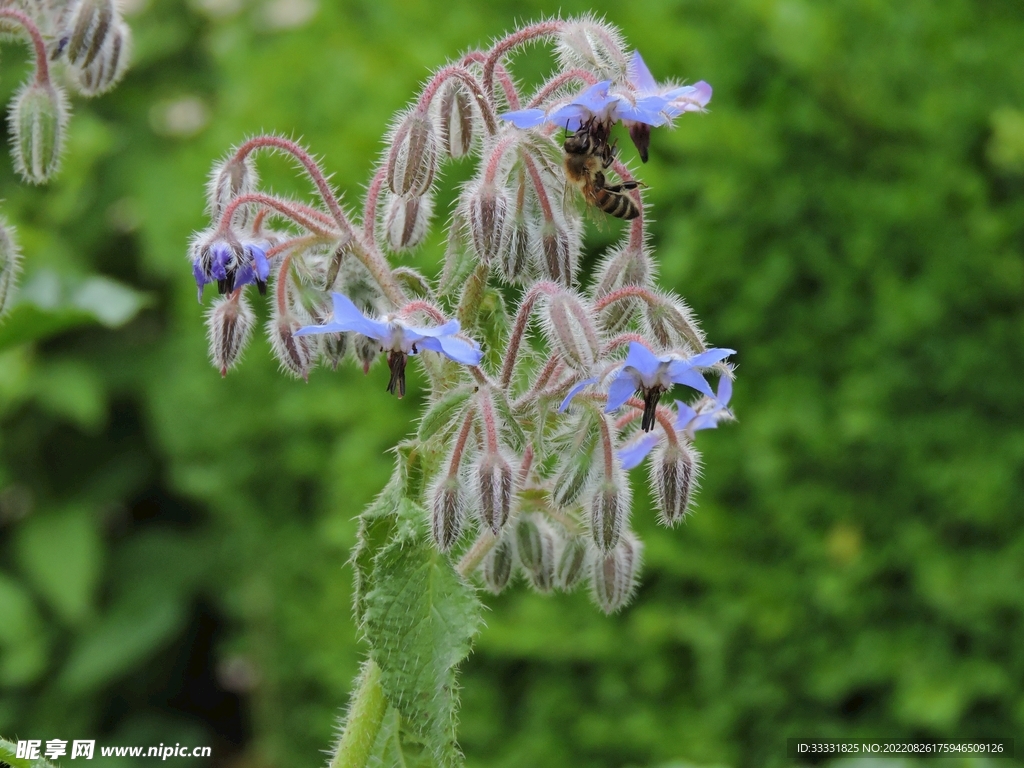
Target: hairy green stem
[{"x": 364, "y": 720}]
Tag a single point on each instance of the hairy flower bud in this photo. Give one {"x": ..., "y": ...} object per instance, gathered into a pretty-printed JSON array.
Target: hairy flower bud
[
  {"x": 366, "y": 350},
  {"x": 229, "y": 179},
  {"x": 295, "y": 353},
  {"x": 497, "y": 566},
  {"x": 535, "y": 542},
  {"x": 89, "y": 24},
  {"x": 407, "y": 220},
  {"x": 614, "y": 574},
  {"x": 672, "y": 324},
  {"x": 448, "y": 511},
  {"x": 104, "y": 72},
  {"x": 412, "y": 161},
  {"x": 486, "y": 214},
  {"x": 608, "y": 510},
  {"x": 229, "y": 325},
  {"x": 571, "y": 562},
  {"x": 622, "y": 266},
  {"x": 674, "y": 472},
  {"x": 37, "y": 119},
  {"x": 557, "y": 246},
  {"x": 577, "y": 452},
  {"x": 515, "y": 256},
  {"x": 592, "y": 45},
  {"x": 495, "y": 483},
  {"x": 457, "y": 118},
  {"x": 572, "y": 332},
  {"x": 10, "y": 265}
]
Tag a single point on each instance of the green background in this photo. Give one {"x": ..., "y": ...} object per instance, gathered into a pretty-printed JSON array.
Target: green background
[{"x": 849, "y": 215}]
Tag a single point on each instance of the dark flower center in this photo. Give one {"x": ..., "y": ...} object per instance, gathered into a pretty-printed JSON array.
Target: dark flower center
[
  {"x": 396, "y": 362},
  {"x": 651, "y": 397}
]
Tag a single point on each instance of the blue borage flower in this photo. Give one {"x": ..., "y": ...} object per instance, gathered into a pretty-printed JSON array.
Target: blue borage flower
[
  {"x": 398, "y": 338},
  {"x": 688, "y": 421},
  {"x": 650, "y": 376},
  {"x": 640, "y": 105},
  {"x": 231, "y": 265}
]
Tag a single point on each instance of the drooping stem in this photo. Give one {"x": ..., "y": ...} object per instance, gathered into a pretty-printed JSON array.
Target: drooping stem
[
  {"x": 362, "y": 725},
  {"x": 552, "y": 85},
  {"x": 519, "y": 329},
  {"x": 303, "y": 215},
  {"x": 476, "y": 554},
  {"x": 38, "y": 44},
  {"x": 523, "y": 36}
]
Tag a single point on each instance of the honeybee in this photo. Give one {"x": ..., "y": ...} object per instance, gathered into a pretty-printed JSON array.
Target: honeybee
[{"x": 587, "y": 156}]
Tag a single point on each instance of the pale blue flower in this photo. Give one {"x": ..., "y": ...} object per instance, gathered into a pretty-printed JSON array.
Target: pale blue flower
[
  {"x": 599, "y": 104},
  {"x": 398, "y": 338},
  {"x": 688, "y": 421},
  {"x": 231, "y": 265}
]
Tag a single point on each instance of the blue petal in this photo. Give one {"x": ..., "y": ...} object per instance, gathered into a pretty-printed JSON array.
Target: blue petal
[
  {"x": 643, "y": 360},
  {"x": 448, "y": 329},
  {"x": 260, "y": 264},
  {"x": 640, "y": 76},
  {"x": 620, "y": 390},
  {"x": 348, "y": 315},
  {"x": 709, "y": 357},
  {"x": 596, "y": 98},
  {"x": 636, "y": 451},
  {"x": 525, "y": 118},
  {"x": 688, "y": 98},
  {"x": 570, "y": 117},
  {"x": 200, "y": 276},
  {"x": 220, "y": 256},
  {"x": 724, "y": 390},
  {"x": 680, "y": 372},
  {"x": 459, "y": 350},
  {"x": 705, "y": 421},
  {"x": 648, "y": 109},
  {"x": 575, "y": 391},
  {"x": 686, "y": 415}
]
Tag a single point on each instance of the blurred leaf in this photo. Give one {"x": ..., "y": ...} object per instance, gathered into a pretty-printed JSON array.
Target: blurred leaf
[
  {"x": 123, "y": 638},
  {"x": 22, "y": 636},
  {"x": 48, "y": 304},
  {"x": 9, "y": 754},
  {"x": 61, "y": 554}
]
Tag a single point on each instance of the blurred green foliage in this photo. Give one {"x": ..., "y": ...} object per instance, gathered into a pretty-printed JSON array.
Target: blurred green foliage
[{"x": 849, "y": 215}]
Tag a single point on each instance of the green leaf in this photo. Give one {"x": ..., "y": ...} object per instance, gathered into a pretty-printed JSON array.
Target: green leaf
[
  {"x": 420, "y": 618},
  {"x": 444, "y": 416},
  {"x": 9, "y": 752},
  {"x": 48, "y": 304},
  {"x": 61, "y": 554},
  {"x": 128, "y": 635},
  {"x": 22, "y": 642}
]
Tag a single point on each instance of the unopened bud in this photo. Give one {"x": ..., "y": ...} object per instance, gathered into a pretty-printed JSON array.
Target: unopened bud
[
  {"x": 672, "y": 324},
  {"x": 494, "y": 478},
  {"x": 229, "y": 324},
  {"x": 10, "y": 265},
  {"x": 623, "y": 266},
  {"x": 407, "y": 220},
  {"x": 535, "y": 542},
  {"x": 457, "y": 117},
  {"x": 673, "y": 479},
  {"x": 37, "y": 120},
  {"x": 608, "y": 510},
  {"x": 448, "y": 511},
  {"x": 497, "y": 565},
  {"x": 295, "y": 353},
  {"x": 333, "y": 347},
  {"x": 557, "y": 246},
  {"x": 366, "y": 350},
  {"x": 89, "y": 24},
  {"x": 614, "y": 574},
  {"x": 571, "y": 562},
  {"x": 109, "y": 66},
  {"x": 573, "y": 473},
  {"x": 412, "y": 161},
  {"x": 229, "y": 179},
  {"x": 572, "y": 332},
  {"x": 486, "y": 215},
  {"x": 592, "y": 45},
  {"x": 515, "y": 256},
  {"x": 413, "y": 283}
]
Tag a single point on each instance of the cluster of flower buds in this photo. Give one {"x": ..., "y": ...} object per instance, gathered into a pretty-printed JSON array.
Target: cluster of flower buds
[
  {"x": 88, "y": 42},
  {"x": 535, "y": 416}
]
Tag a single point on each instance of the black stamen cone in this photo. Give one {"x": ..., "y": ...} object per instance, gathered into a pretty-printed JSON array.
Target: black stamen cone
[
  {"x": 651, "y": 398},
  {"x": 396, "y": 362}
]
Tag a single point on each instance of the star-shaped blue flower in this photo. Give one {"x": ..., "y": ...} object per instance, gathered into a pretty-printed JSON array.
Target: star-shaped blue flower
[
  {"x": 599, "y": 104},
  {"x": 398, "y": 338},
  {"x": 688, "y": 421},
  {"x": 650, "y": 376}
]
